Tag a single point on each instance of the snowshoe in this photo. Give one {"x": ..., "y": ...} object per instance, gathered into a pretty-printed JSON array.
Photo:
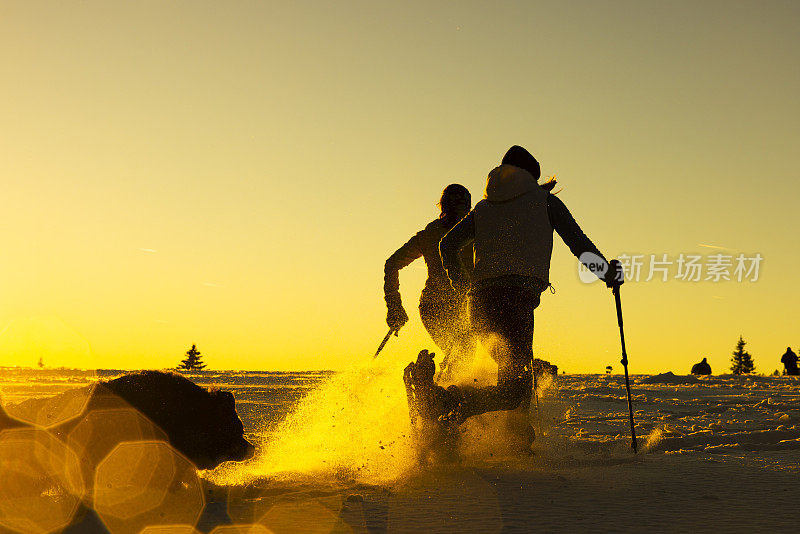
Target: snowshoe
[{"x": 434, "y": 411}]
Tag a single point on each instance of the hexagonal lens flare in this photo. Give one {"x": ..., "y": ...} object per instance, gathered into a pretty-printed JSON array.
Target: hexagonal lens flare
[
  {"x": 146, "y": 483},
  {"x": 41, "y": 479}
]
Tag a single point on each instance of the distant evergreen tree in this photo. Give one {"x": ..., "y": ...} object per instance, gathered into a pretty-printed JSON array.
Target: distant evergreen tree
[
  {"x": 741, "y": 361},
  {"x": 193, "y": 361}
]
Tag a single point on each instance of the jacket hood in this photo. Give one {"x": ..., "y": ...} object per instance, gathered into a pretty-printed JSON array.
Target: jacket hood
[{"x": 507, "y": 182}]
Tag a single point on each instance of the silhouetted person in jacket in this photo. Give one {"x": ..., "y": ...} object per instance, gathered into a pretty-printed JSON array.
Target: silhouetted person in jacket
[
  {"x": 701, "y": 368},
  {"x": 442, "y": 310},
  {"x": 511, "y": 231},
  {"x": 789, "y": 361}
]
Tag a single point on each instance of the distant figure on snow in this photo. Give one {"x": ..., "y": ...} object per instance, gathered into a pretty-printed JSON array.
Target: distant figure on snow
[
  {"x": 441, "y": 309},
  {"x": 789, "y": 361},
  {"x": 701, "y": 368},
  {"x": 512, "y": 234}
]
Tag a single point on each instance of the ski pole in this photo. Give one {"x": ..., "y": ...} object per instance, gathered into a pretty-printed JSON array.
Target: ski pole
[
  {"x": 624, "y": 363},
  {"x": 385, "y": 340}
]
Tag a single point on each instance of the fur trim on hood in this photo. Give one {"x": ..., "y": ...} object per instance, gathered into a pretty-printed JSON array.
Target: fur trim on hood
[{"x": 507, "y": 182}]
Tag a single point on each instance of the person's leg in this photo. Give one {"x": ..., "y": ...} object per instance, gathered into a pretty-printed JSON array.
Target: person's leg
[
  {"x": 433, "y": 314},
  {"x": 503, "y": 320},
  {"x": 447, "y": 324},
  {"x": 515, "y": 374},
  {"x": 518, "y": 330}
]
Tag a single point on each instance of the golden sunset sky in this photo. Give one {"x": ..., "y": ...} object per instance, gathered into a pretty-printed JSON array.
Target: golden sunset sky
[{"x": 234, "y": 174}]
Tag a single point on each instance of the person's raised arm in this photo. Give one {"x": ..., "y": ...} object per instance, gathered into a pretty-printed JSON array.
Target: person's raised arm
[
  {"x": 396, "y": 315},
  {"x": 459, "y": 236},
  {"x": 572, "y": 235}
]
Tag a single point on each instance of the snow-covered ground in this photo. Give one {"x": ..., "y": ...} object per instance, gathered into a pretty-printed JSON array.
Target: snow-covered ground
[
  {"x": 679, "y": 414},
  {"x": 716, "y": 454}
]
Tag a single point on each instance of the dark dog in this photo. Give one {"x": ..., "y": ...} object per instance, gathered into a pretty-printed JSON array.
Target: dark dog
[{"x": 149, "y": 405}]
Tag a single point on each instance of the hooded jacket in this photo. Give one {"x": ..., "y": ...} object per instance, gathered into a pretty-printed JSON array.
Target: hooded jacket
[{"x": 513, "y": 234}]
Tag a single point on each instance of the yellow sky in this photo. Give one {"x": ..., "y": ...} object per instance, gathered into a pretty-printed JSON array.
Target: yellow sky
[{"x": 234, "y": 174}]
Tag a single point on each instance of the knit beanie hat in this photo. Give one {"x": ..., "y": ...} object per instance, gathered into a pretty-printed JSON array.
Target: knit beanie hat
[{"x": 519, "y": 157}]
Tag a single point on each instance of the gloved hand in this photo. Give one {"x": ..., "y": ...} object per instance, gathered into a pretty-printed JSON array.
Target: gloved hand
[
  {"x": 396, "y": 315},
  {"x": 615, "y": 276}
]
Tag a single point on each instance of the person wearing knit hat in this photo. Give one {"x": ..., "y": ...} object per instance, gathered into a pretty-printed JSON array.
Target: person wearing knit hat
[{"x": 511, "y": 233}]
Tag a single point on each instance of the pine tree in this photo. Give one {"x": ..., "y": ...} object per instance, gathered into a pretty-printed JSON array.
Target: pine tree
[
  {"x": 741, "y": 361},
  {"x": 193, "y": 360}
]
